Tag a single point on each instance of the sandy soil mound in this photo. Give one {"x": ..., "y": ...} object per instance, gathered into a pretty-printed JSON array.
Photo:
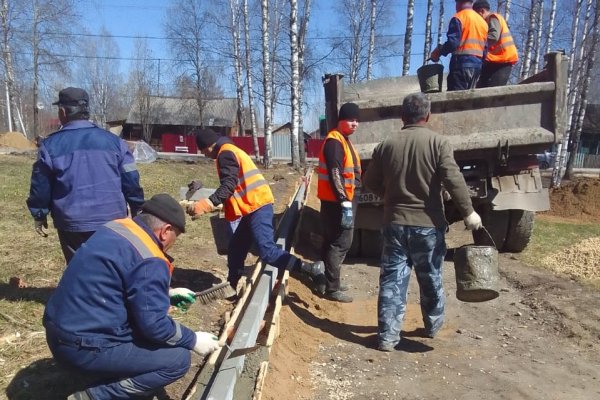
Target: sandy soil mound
[
  {"x": 576, "y": 199},
  {"x": 581, "y": 260},
  {"x": 15, "y": 140}
]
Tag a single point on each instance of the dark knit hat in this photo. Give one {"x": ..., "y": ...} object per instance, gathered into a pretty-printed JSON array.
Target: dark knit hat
[
  {"x": 479, "y": 4},
  {"x": 205, "y": 138},
  {"x": 166, "y": 208},
  {"x": 72, "y": 96},
  {"x": 348, "y": 111}
]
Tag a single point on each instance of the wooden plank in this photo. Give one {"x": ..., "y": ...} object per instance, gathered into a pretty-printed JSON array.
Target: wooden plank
[{"x": 260, "y": 380}]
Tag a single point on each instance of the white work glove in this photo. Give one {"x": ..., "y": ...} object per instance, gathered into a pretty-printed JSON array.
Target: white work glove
[
  {"x": 182, "y": 298},
  {"x": 473, "y": 222},
  {"x": 206, "y": 343},
  {"x": 347, "y": 215}
]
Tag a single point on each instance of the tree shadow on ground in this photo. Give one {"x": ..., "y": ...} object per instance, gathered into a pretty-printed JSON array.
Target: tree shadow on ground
[
  {"x": 37, "y": 294},
  {"x": 193, "y": 279},
  {"x": 45, "y": 379},
  {"x": 347, "y": 332}
]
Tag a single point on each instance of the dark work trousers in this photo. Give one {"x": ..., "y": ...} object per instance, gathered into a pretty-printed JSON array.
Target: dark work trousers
[
  {"x": 494, "y": 74},
  {"x": 336, "y": 241},
  {"x": 257, "y": 228},
  {"x": 124, "y": 370},
  {"x": 463, "y": 78},
  {"x": 71, "y": 241}
]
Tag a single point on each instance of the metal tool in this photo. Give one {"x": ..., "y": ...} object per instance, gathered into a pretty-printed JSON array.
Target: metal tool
[{"x": 241, "y": 352}]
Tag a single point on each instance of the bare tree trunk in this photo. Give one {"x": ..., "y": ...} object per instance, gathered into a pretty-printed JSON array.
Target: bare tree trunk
[
  {"x": 551, "y": 26},
  {"x": 507, "y": 10},
  {"x": 591, "y": 59},
  {"x": 295, "y": 81},
  {"x": 441, "y": 23},
  {"x": 428, "y": 38},
  {"x": 562, "y": 147},
  {"x": 249, "y": 82},
  {"x": 239, "y": 85},
  {"x": 528, "y": 52},
  {"x": 372, "y": 20},
  {"x": 538, "y": 41},
  {"x": 264, "y": 5},
  {"x": 410, "y": 12},
  {"x": 302, "y": 68}
]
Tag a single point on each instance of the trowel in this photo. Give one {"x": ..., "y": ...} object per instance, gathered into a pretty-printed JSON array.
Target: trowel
[{"x": 241, "y": 352}]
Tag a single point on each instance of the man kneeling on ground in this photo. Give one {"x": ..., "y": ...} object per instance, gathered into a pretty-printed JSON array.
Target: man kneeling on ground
[{"x": 109, "y": 314}]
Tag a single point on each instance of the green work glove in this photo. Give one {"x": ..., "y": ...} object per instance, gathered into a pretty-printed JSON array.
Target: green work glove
[{"x": 182, "y": 298}]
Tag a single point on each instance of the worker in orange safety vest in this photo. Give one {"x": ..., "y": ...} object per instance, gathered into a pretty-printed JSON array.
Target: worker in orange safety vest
[
  {"x": 248, "y": 202},
  {"x": 339, "y": 175},
  {"x": 467, "y": 34},
  {"x": 502, "y": 53}
]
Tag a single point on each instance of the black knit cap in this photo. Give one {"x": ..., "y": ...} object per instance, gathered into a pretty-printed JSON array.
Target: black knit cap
[
  {"x": 167, "y": 209},
  {"x": 72, "y": 96},
  {"x": 206, "y": 137},
  {"x": 479, "y": 4},
  {"x": 348, "y": 111}
]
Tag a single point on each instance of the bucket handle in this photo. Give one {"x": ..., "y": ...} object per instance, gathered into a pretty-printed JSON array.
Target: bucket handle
[{"x": 489, "y": 235}]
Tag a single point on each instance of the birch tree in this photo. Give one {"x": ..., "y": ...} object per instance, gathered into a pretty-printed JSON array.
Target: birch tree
[
  {"x": 529, "y": 45},
  {"x": 295, "y": 82},
  {"x": 594, "y": 47},
  {"x": 507, "y": 10},
  {"x": 428, "y": 38},
  {"x": 538, "y": 40},
  {"x": 440, "y": 23},
  {"x": 10, "y": 12},
  {"x": 144, "y": 83},
  {"x": 550, "y": 34},
  {"x": 264, "y": 6},
  {"x": 304, "y": 71},
  {"x": 248, "y": 52},
  {"x": 237, "y": 63},
  {"x": 410, "y": 11},
  {"x": 372, "y": 20}
]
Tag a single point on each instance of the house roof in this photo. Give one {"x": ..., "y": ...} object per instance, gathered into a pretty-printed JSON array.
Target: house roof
[
  {"x": 177, "y": 111},
  {"x": 591, "y": 122}
]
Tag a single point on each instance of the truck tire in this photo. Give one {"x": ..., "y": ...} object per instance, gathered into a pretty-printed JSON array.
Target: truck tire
[
  {"x": 520, "y": 228},
  {"x": 371, "y": 243},
  {"x": 356, "y": 244},
  {"x": 496, "y": 223}
]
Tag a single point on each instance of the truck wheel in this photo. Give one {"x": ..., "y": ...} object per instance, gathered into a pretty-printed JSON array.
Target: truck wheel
[
  {"x": 496, "y": 223},
  {"x": 520, "y": 227},
  {"x": 371, "y": 243},
  {"x": 355, "y": 247}
]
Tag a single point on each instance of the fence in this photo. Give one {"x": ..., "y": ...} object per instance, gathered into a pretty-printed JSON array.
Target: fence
[{"x": 586, "y": 161}]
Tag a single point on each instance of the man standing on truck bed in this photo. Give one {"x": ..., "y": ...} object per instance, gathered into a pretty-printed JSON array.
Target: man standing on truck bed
[
  {"x": 407, "y": 170},
  {"x": 84, "y": 176},
  {"x": 247, "y": 197},
  {"x": 467, "y": 34},
  {"x": 502, "y": 53},
  {"x": 339, "y": 174}
]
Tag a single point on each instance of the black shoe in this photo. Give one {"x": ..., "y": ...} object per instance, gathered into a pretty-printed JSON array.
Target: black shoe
[
  {"x": 343, "y": 287},
  {"x": 340, "y": 296},
  {"x": 386, "y": 347}
]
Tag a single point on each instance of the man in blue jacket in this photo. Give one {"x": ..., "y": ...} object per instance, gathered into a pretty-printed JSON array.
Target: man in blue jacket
[
  {"x": 84, "y": 176},
  {"x": 109, "y": 314}
]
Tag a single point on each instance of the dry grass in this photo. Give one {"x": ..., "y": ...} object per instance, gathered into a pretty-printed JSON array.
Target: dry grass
[{"x": 27, "y": 370}]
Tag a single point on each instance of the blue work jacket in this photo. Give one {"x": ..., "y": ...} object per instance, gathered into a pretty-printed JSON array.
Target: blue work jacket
[
  {"x": 84, "y": 176},
  {"x": 115, "y": 290}
]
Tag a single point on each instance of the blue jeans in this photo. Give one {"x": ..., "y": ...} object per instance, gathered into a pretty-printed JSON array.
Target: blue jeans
[
  {"x": 124, "y": 370},
  {"x": 404, "y": 247},
  {"x": 257, "y": 228}
]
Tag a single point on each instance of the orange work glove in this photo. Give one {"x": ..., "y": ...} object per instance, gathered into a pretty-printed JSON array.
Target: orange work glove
[{"x": 200, "y": 207}]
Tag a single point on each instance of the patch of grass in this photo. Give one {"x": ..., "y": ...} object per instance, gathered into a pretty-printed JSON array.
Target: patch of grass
[{"x": 551, "y": 236}]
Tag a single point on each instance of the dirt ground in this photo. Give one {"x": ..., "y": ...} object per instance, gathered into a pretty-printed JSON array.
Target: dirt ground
[{"x": 540, "y": 339}]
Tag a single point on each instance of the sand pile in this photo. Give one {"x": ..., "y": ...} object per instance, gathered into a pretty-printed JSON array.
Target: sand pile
[
  {"x": 581, "y": 261},
  {"x": 576, "y": 199},
  {"x": 16, "y": 140}
]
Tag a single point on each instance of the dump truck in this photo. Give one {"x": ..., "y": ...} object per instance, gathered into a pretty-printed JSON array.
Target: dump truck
[{"x": 495, "y": 132}]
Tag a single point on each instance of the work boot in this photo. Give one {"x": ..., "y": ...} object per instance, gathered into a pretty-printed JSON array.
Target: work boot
[
  {"x": 387, "y": 347},
  {"x": 79, "y": 396},
  {"x": 343, "y": 287},
  {"x": 340, "y": 296}
]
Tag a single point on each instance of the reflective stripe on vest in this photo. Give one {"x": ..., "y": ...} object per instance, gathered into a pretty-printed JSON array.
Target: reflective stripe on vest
[
  {"x": 252, "y": 190},
  {"x": 504, "y": 50},
  {"x": 349, "y": 170},
  {"x": 474, "y": 33},
  {"x": 139, "y": 239}
]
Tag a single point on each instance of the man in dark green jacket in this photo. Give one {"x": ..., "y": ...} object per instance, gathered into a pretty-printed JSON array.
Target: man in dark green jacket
[{"x": 407, "y": 170}]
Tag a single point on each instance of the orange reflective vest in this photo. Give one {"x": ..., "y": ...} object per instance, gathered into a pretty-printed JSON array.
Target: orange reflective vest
[
  {"x": 139, "y": 239},
  {"x": 350, "y": 171},
  {"x": 474, "y": 33},
  {"x": 504, "y": 50},
  {"x": 252, "y": 190}
]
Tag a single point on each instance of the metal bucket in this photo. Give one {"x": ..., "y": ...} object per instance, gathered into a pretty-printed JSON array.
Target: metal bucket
[
  {"x": 431, "y": 77},
  {"x": 477, "y": 276}
]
